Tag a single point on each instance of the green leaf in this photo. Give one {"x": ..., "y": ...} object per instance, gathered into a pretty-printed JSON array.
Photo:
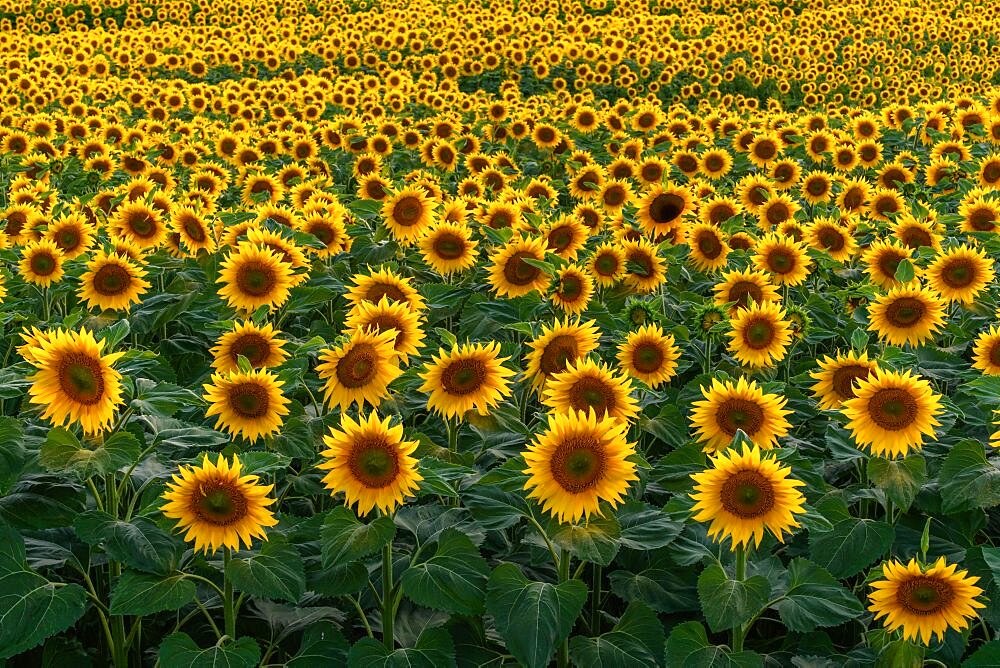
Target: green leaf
[
  {"x": 493, "y": 507},
  {"x": 12, "y": 453},
  {"x": 988, "y": 655},
  {"x": 143, "y": 594},
  {"x": 139, "y": 543},
  {"x": 688, "y": 646},
  {"x": 646, "y": 528},
  {"x": 900, "y": 479},
  {"x": 62, "y": 451},
  {"x": 904, "y": 271},
  {"x": 163, "y": 399},
  {"x": 968, "y": 479},
  {"x": 596, "y": 541},
  {"x": 434, "y": 649},
  {"x": 322, "y": 645},
  {"x": 31, "y": 607},
  {"x": 532, "y": 617},
  {"x": 346, "y": 539},
  {"x": 453, "y": 579},
  {"x": 115, "y": 334},
  {"x": 726, "y": 602},
  {"x": 814, "y": 599},
  {"x": 665, "y": 591},
  {"x": 275, "y": 572},
  {"x": 179, "y": 651},
  {"x": 547, "y": 267},
  {"x": 851, "y": 546},
  {"x": 636, "y": 640},
  {"x": 447, "y": 337}
]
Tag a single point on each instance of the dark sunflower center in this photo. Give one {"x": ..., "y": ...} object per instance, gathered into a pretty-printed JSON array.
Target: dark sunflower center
[
  {"x": 666, "y": 208},
  {"x": 606, "y": 264},
  {"x": 614, "y": 196},
  {"x": 193, "y": 229},
  {"x": 559, "y": 352},
  {"x": 68, "y": 239},
  {"x": 765, "y": 150},
  {"x": 831, "y": 239},
  {"x": 570, "y": 288},
  {"x": 708, "y": 245},
  {"x": 407, "y": 211},
  {"x": 924, "y": 595},
  {"x": 590, "y": 392},
  {"x": 391, "y": 292},
  {"x": 43, "y": 263},
  {"x": 111, "y": 280},
  {"x": 886, "y": 205},
  {"x": 518, "y": 272},
  {"x": 915, "y": 237},
  {"x": 81, "y": 378},
  {"x": 323, "y": 232},
  {"x": 578, "y": 464},
  {"x": 747, "y": 495},
  {"x": 759, "y": 334},
  {"x": 219, "y": 502},
  {"x": 781, "y": 261},
  {"x": 252, "y": 346},
  {"x": 734, "y": 414},
  {"x": 644, "y": 261},
  {"x": 783, "y": 173},
  {"x": 449, "y": 246},
  {"x": 959, "y": 273},
  {"x": 373, "y": 462},
  {"x": 893, "y": 408},
  {"x": 142, "y": 225},
  {"x": 255, "y": 278},
  {"x": 845, "y": 377},
  {"x": 982, "y": 220},
  {"x": 816, "y": 187},
  {"x": 16, "y": 222},
  {"x": 888, "y": 262},
  {"x": 560, "y": 238},
  {"x": 994, "y": 353},
  {"x": 745, "y": 291},
  {"x": 464, "y": 376},
  {"x": 991, "y": 172},
  {"x": 777, "y": 213},
  {"x": 358, "y": 367},
  {"x": 720, "y": 213},
  {"x": 249, "y": 400},
  {"x": 647, "y": 357},
  {"x": 714, "y": 162},
  {"x": 905, "y": 312},
  {"x": 853, "y": 199}
]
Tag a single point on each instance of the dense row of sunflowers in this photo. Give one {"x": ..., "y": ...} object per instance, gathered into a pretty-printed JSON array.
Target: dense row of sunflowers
[{"x": 510, "y": 334}]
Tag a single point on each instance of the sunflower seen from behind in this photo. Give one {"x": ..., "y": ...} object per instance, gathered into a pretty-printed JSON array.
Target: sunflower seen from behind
[
  {"x": 369, "y": 462},
  {"x": 649, "y": 355},
  {"x": 745, "y": 494},
  {"x": 578, "y": 461},
  {"x": 910, "y": 314},
  {"x": 468, "y": 377},
  {"x": 261, "y": 345},
  {"x": 360, "y": 369},
  {"x": 892, "y": 412},
  {"x": 217, "y": 506},
  {"x": 247, "y": 403},
  {"x": 729, "y": 407}
]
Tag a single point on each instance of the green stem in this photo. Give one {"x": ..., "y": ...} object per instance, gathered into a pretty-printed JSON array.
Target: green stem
[
  {"x": 388, "y": 613},
  {"x": 595, "y": 600},
  {"x": 229, "y": 610},
  {"x": 741, "y": 572},
  {"x": 563, "y": 566},
  {"x": 94, "y": 492},
  {"x": 361, "y": 613},
  {"x": 451, "y": 426}
]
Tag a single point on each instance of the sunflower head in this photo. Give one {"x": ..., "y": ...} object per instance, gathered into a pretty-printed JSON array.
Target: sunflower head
[
  {"x": 248, "y": 403},
  {"x": 471, "y": 376},
  {"x": 360, "y": 370},
  {"x": 649, "y": 355},
  {"x": 891, "y": 413}
]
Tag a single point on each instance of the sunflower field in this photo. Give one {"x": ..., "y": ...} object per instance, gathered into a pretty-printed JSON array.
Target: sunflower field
[{"x": 488, "y": 333}]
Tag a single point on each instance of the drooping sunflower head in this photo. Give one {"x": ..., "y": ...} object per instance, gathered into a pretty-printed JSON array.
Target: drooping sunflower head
[
  {"x": 578, "y": 461},
  {"x": 743, "y": 495},
  {"x": 218, "y": 506},
  {"x": 375, "y": 285},
  {"x": 925, "y": 602},
  {"x": 449, "y": 248},
  {"x": 470, "y": 376},
  {"x": 760, "y": 335},
  {"x": 253, "y": 276},
  {"x": 41, "y": 263},
  {"x": 557, "y": 346},
  {"x": 649, "y": 355},
  {"x": 730, "y": 407},
  {"x": 960, "y": 274},
  {"x": 259, "y": 344},
  {"x": 573, "y": 289},
  {"x": 248, "y": 404},
  {"x": 586, "y": 385},
  {"x": 370, "y": 463},
  {"x": 836, "y": 380},
  {"x": 408, "y": 214},
  {"x": 908, "y": 314},
  {"x": 360, "y": 369},
  {"x": 511, "y": 276},
  {"x": 386, "y": 316},
  {"x": 892, "y": 412},
  {"x": 786, "y": 260}
]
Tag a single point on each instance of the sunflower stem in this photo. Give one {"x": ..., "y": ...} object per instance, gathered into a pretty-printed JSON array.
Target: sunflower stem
[
  {"x": 595, "y": 601},
  {"x": 563, "y": 567},
  {"x": 388, "y": 602},
  {"x": 741, "y": 571},
  {"x": 451, "y": 426},
  {"x": 229, "y": 610}
]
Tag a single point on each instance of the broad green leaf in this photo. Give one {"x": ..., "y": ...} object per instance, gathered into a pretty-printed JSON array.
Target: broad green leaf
[
  {"x": 636, "y": 640},
  {"x": 139, "y": 543},
  {"x": 434, "y": 649},
  {"x": 646, "y": 528},
  {"x": 597, "y": 541},
  {"x": 12, "y": 453},
  {"x": 532, "y": 617},
  {"x": 494, "y": 508},
  {"x": 987, "y": 656},
  {"x": 904, "y": 271},
  {"x": 163, "y": 399},
  {"x": 453, "y": 579},
  {"x": 688, "y": 646},
  {"x": 815, "y": 599},
  {"x": 901, "y": 479},
  {"x": 851, "y": 546},
  {"x": 726, "y": 602},
  {"x": 968, "y": 479},
  {"x": 346, "y": 539},
  {"x": 275, "y": 572},
  {"x": 323, "y": 645},
  {"x": 664, "y": 591},
  {"x": 180, "y": 651},
  {"x": 62, "y": 451},
  {"x": 143, "y": 594}
]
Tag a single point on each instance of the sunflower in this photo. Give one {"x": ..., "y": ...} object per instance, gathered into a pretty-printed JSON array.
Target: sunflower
[
  {"x": 112, "y": 282},
  {"x": 645, "y": 269},
  {"x": 760, "y": 335},
  {"x": 715, "y": 163},
  {"x": 139, "y": 223},
  {"x": 248, "y": 404},
  {"x": 573, "y": 289},
  {"x": 745, "y": 494},
  {"x": 369, "y": 462},
  {"x": 449, "y": 248},
  {"x": 565, "y": 236},
  {"x": 907, "y": 315},
  {"x": 960, "y": 274},
  {"x": 854, "y": 196},
  {"x": 386, "y": 316},
  {"x": 259, "y": 344},
  {"x": 925, "y": 603},
  {"x": 743, "y": 288},
  {"x": 408, "y": 214},
  {"x": 709, "y": 250},
  {"x": 607, "y": 265},
  {"x": 253, "y": 276},
  {"x": 217, "y": 506},
  {"x": 72, "y": 234},
  {"x": 979, "y": 215},
  {"x": 578, "y": 461},
  {"x": 471, "y": 376},
  {"x": 19, "y": 223},
  {"x": 557, "y": 346},
  {"x": 386, "y": 283},
  {"x": 649, "y": 355},
  {"x": 730, "y": 407},
  {"x": 510, "y": 276},
  {"x": 360, "y": 370},
  {"x": 836, "y": 381},
  {"x": 986, "y": 352},
  {"x": 41, "y": 263},
  {"x": 74, "y": 381},
  {"x": 914, "y": 233},
  {"x": 194, "y": 230},
  {"x": 816, "y": 187},
  {"x": 586, "y": 385},
  {"x": 662, "y": 208},
  {"x": 765, "y": 149},
  {"x": 885, "y": 203},
  {"x": 717, "y": 210},
  {"x": 785, "y": 259},
  {"x": 754, "y": 191},
  {"x": 892, "y": 412},
  {"x": 881, "y": 261},
  {"x": 826, "y": 235}
]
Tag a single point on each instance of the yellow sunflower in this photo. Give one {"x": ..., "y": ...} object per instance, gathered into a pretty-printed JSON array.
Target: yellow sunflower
[
  {"x": 253, "y": 276},
  {"x": 140, "y": 224},
  {"x": 408, "y": 214},
  {"x": 745, "y": 494},
  {"x": 892, "y": 412},
  {"x": 217, "y": 506},
  {"x": 471, "y": 376},
  {"x": 449, "y": 248},
  {"x": 649, "y": 355},
  {"x": 785, "y": 259},
  {"x": 510, "y": 276},
  {"x": 587, "y": 385},
  {"x": 925, "y": 603},
  {"x": 907, "y": 315},
  {"x": 369, "y": 462},
  {"x": 836, "y": 380},
  {"x": 729, "y": 407},
  {"x": 248, "y": 404},
  {"x": 662, "y": 208},
  {"x": 372, "y": 287},
  {"x": 41, "y": 263},
  {"x": 960, "y": 274},
  {"x": 578, "y": 461},
  {"x": 573, "y": 289},
  {"x": 74, "y": 381},
  {"x": 826, "y": 235},
  {"x": 112, "y": 282},
  {"x": 607, "y": 265},
  {"x": 986, "y": 352},
  {"x": 881, "y": 261},
  {"x": 709, "y": 250},
  {"x": 744, "y": 288},
  {"x": 72, "y": 234},
  {"x": 385, "y": 316},
  {"x": 557, "y": 346},
  {"x": 196, "y": 235},
  {"x": 645, "y": 269},
  {"x": 360, "y": 370},
  {"x": 760, "y": 335},
  {"x": 260, "y": 344}
]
